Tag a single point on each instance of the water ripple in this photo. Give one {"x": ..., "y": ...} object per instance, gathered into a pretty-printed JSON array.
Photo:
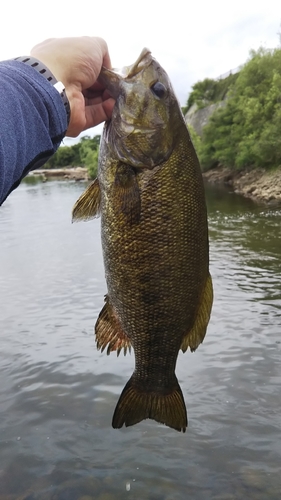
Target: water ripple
[{"x": 58, "y": 394}]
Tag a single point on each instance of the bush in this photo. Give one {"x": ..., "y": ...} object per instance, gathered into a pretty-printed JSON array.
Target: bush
[
  {"x": 246, "y": 132},
  {"x": 209, "y": 91},
  {"x": 89, "y": 158},
  {"x": 79, "y": 154},
  {"x": 196, "y": 139}
]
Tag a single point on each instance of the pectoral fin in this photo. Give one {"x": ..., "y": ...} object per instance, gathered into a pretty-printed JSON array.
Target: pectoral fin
[
  {"x": 126, "y": 191},
  {"x": 109, "y": 331},
  {"x": 88, "y": 205},
  {"x": 196, "y": 335}
]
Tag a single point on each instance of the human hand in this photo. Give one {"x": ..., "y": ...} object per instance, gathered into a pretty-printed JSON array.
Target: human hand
[{"x": 77, "y": 62}]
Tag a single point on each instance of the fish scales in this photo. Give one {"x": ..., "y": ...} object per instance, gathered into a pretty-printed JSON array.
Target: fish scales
[{"x": 155, "y": 246}]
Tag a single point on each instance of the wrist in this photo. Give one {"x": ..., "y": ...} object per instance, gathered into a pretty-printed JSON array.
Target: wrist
[{"x": 48, "y": 75}]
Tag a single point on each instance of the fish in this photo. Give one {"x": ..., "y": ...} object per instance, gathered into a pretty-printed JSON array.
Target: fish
[{"x": 150, "y": 195}]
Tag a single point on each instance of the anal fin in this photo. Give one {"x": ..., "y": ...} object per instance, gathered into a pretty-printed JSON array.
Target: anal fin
[
  {"x": 196, "y": 335},
  {"x": 109, "y": 331}
]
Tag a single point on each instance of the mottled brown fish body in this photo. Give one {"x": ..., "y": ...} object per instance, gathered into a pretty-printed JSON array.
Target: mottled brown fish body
[{"x": 155, "y": 247}]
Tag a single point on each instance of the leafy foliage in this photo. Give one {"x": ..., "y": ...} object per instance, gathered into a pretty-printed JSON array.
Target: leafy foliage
[
  {"x": 246, "y": 132},
  {"x": 84, "y": 153},
  {"x": 196, "y": 139},
  {"x": 89, "y": 158},
  {"x": 209, "y": 91}
]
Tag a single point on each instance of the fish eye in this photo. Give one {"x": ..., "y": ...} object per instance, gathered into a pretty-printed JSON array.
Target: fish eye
[{"x": 158, "y": 89}]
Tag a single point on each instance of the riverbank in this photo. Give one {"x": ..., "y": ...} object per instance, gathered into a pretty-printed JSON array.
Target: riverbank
[
  {"x": 76, "y": 173},
  {"x": 258, "y": 184}
]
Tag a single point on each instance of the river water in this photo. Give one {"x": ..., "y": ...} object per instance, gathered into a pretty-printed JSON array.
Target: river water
[{"x": 58, "y": 394}]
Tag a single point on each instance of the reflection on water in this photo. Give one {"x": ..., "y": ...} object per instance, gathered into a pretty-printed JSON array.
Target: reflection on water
[{"x": 58, "y": 394}]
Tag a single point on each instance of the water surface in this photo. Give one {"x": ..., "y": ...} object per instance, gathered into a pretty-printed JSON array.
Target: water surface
[{"x": 58, "y": 394}]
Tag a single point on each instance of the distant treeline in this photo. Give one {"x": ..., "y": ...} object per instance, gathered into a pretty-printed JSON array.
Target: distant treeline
[
  {"x": 246, "y": 132},
  {"x": 84, "y": 153}
]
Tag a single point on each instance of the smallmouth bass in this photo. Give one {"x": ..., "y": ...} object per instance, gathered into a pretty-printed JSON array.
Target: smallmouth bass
[{"x": 149, "y": 192}]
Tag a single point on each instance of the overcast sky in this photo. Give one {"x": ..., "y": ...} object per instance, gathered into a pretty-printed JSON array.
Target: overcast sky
[{"x": 191, "y": 40}]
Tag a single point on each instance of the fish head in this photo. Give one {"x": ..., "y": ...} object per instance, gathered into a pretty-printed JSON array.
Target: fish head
[{"x": 143, "y": 127}]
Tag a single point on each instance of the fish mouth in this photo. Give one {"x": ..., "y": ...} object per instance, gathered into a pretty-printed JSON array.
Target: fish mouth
[
  {"x": 144, "y": 60},
  {"x": 113, "y": 79}
]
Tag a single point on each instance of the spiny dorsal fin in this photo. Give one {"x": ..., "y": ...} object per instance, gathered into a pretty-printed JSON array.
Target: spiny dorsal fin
[{"x": 88, "y": 205}]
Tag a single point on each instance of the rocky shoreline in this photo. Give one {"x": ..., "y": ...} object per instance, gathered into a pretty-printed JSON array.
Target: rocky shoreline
[
  {"x": 75, "y": 173},
  {"x": 258, "y": 184}
]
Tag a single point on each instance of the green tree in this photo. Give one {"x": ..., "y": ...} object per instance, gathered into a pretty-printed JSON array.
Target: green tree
[
  {"x": 209, "y": 91},
  {"x": 64, "y": 156},
  {"x": 202, "y": 93},
  {"x": 92, "y": 163},
  {"x": 89, "y": 153},
  {"x": 245, "y": 132},
  {"x": 72, "y": 156},
  {"x": 196, "y": 139}
]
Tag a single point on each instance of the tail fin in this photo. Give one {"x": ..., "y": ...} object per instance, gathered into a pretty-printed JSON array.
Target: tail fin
[{"x": 135, "y": 405}]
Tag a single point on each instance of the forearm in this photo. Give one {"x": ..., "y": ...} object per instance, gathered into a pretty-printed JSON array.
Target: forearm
[{"x": 33, "y": 123}]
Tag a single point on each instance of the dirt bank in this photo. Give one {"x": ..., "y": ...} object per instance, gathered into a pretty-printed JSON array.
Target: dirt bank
[{"x": 258, "y": 184}]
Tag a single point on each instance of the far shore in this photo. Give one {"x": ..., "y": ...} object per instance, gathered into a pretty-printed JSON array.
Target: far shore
[
  {"x": 258, "y": 184},
  {"x": 75, "y": 173}
]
